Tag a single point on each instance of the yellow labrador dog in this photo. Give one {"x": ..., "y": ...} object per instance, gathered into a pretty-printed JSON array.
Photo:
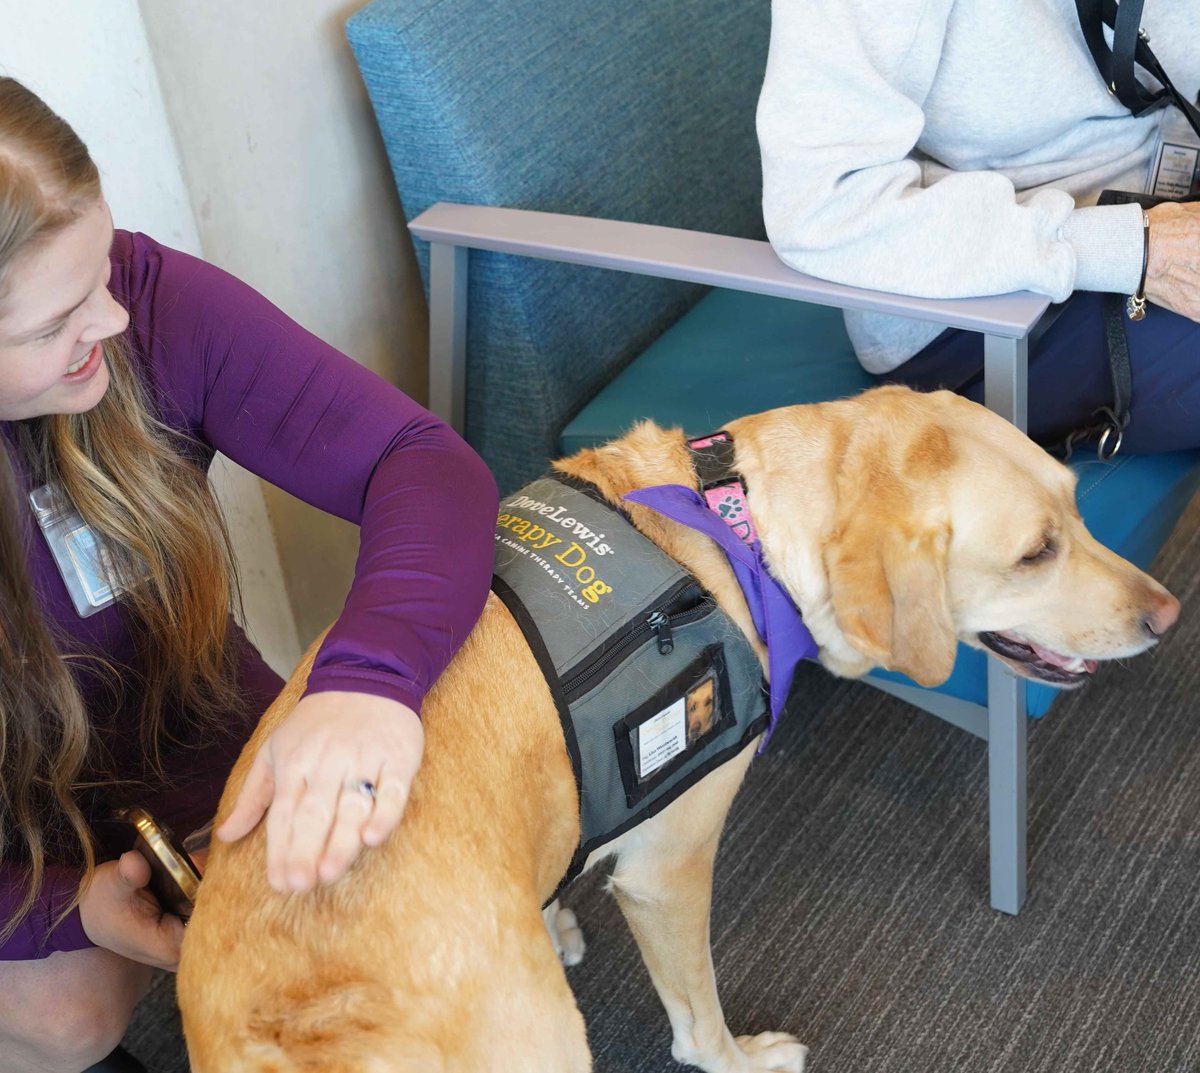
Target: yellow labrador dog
[{"x": 899, "y": 523}]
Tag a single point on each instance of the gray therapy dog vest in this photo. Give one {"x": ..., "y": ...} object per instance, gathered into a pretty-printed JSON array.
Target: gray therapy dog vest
[{"x": 655, "y": 685}]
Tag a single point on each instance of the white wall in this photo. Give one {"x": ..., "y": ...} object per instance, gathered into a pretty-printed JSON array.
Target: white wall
[
  {"x": 91, "y": 61},
  {"x": 292, "y": 194},
  {"x": 66, "y": 51}
]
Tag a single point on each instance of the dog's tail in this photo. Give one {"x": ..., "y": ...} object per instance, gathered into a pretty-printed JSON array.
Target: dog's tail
[{"x": 355, "y": 1027}]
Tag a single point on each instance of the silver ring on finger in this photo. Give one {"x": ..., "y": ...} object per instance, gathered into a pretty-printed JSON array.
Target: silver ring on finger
[{"x": 364, "y": 788}]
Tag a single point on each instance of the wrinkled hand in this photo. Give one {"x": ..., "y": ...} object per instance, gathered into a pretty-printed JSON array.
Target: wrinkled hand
[
  {"x": 119, "y": 914},
  {"x": 308, "y": 778},
  {"x": 1173, "y": 271}
]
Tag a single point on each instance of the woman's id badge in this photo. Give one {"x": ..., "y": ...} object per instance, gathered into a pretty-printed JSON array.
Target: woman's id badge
[
  {"x": 1176, "y": 169},
  {"x": 81, "y": 559}
]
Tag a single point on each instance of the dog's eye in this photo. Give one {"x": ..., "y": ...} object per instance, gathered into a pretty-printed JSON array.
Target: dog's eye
[{"x": 1045, "y": 551}]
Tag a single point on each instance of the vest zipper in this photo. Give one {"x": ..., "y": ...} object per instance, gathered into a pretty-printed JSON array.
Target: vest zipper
[
  {"x": 660, "y": 623},
  {"x": 686, "y": 603}
]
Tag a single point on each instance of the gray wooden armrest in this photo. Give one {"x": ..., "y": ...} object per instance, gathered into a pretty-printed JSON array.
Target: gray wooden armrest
[{"x": 697, "y": 257}]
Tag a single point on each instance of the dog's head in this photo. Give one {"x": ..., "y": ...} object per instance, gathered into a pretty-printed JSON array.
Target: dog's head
[{"x": 905, "y": 522}]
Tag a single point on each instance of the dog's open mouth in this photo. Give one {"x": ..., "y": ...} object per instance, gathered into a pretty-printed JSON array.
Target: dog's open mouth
[{"x": 1034, "y": 661}]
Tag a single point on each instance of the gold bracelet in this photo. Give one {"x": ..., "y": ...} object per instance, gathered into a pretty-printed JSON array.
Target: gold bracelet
[{"x": 1135, "y": 304}]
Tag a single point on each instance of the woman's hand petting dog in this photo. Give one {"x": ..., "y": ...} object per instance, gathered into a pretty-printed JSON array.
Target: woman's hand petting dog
[{"x": 333, "y": 777}]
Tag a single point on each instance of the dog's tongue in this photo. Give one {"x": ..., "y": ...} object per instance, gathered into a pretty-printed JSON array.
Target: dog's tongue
[{"x": 1057, "y": 659}]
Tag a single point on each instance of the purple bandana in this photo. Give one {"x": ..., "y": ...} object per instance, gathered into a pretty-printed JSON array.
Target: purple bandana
[{"x": 776, "y": 618}]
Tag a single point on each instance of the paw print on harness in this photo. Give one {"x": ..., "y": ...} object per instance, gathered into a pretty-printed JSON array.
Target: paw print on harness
[
  {"x": 728, "y": 502},
  {"x": 730, "y": 507}
]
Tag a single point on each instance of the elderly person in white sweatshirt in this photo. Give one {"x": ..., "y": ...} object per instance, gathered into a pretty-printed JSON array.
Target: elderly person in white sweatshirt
[{"x": 954, "y": 148}]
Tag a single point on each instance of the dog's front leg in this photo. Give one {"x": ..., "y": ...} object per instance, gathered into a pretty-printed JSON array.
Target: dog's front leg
[{"x": 663, "y": 883}]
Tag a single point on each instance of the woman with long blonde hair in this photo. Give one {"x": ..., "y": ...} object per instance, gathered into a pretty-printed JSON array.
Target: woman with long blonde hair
[{"x": 124, "y": 366}]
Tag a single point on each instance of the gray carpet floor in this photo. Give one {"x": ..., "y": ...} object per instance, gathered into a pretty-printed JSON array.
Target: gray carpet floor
[{"x": 851, "y": 893}]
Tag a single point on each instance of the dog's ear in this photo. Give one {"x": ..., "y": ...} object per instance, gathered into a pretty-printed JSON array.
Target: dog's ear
[{"x": 887, "y": 583}]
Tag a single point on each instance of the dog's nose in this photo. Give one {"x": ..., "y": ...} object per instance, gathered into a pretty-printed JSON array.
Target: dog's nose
[{"x": 1162, "y": 614}]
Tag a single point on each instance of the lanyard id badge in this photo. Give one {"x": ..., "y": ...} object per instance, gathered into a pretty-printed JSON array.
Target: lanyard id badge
[
  {"x": 1175, "y": 172},
  {"x": 81, "y": 559}
]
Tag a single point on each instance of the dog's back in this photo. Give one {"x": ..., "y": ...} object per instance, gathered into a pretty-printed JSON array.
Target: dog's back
[{"x": 411, "y": 962}]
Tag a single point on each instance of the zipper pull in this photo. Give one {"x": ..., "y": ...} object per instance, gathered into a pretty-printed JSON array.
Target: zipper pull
[{"x": 660, "y": 623}]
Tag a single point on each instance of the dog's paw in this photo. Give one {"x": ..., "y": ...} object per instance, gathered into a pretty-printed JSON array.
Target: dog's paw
[
  {"x": 571, "y": 944},
  {"x": 565, "y": 934},
  {"x": 773, "y": 1051}
]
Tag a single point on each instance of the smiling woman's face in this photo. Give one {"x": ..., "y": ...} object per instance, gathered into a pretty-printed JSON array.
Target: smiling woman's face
[{"x": 55, "y": 312}]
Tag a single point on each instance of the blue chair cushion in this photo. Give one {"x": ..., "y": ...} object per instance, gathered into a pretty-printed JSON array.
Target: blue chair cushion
[
  {"x": 792, "y": 352},
  {"x": 731, "y": 354}
]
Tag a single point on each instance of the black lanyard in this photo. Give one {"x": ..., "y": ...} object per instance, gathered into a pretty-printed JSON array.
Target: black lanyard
[{"x": 1130, "y": 47}]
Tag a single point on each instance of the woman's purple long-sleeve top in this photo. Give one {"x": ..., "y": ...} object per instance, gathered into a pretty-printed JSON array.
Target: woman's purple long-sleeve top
[{"x": 230, "y": 370}]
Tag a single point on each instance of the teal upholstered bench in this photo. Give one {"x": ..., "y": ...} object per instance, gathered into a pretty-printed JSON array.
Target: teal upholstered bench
[{"x": 629, "y": 128}]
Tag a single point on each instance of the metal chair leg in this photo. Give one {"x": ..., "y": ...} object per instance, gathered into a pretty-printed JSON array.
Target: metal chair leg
[
  {"x": 1007, "y": 787},
  {"x": 448, "y": 333}
]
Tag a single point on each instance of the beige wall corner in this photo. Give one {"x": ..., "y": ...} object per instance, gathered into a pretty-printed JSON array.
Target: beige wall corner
[
  {"x": 65, "y": 51},
  {"x": 268, "y": 616},
  {"x": 292, "y": 194}
]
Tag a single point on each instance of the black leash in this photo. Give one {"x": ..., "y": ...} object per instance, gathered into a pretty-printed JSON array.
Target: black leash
[
  {"x": 1130, "y": 48},
  {"x": 1109, "y": 428}
]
